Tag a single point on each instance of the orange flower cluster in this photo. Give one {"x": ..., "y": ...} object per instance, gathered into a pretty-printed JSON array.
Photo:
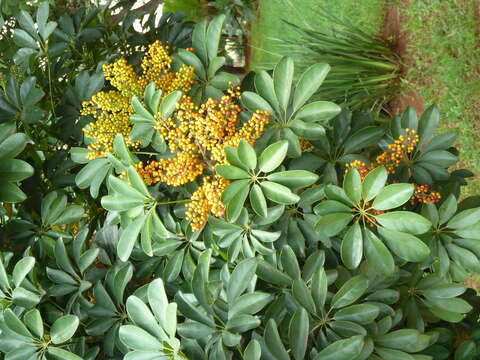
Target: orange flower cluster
[
  {"x": 423, "y": 194},
  {"x": 398, "y": 151},
  {"x": 197, "y": 135},
  {"x": 112, "y": 109}
]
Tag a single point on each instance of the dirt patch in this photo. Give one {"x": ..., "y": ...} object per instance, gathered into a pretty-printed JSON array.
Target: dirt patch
[{"x": 398, "y": 38}]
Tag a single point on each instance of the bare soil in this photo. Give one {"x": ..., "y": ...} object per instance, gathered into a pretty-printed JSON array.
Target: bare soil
[{"x": 398, "y": 38}]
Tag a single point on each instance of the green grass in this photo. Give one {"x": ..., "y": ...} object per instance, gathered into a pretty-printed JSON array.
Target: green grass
[
  {"x": 269, "y": 25},
  {"x": 446, "y": 49}
]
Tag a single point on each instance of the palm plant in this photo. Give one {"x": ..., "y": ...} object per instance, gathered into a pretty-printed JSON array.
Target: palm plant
[{"x": 365, "y": 70}]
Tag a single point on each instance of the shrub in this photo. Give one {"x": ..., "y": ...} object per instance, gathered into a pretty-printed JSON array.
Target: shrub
[{"x": 199, "y": 222}]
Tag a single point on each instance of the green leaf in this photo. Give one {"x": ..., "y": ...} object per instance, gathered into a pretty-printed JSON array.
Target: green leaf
[
  {"x": 293, "y": 178},
  {"x": 190, "y": 311},
  {"x": 138, "y": 339},
  {"x": 445, "y": 291},
  {"x": 404, "y": 221},
  {"x": 265, "y": 87},
  {"x": 309, "y": 83},
  {"x": 71, "y": 214},
  {"x": 331, "y": 206},
  {"x": 278, "y": 193},
  {"x": 282, "y": 79},
  {"x": 361, "y": 313},
  {"x": 34, "y": 322},
  {"x": 247, "y": 155},
  {"x": 289, "y": 262},
  {"x": 273, "y": 341},
  {"x": 352, "y": 247},
  {"x": 140, "y": 315},
  {"x": 13, "y": 146},
  {"x": 298, "y": 332},
  {"x": 254, "y": 102},
  {"x": 22, "y": 268},
  {"x": 447, "y": 209},
  {"x": 362, "y": 138},
  {"x": 399, "y": 339},
  {"x": 253, "y": 351},
  {"x": 235, "y": 205},
  {"x": 374, "y": 183},
  {"x": 191, "y": 59},
  {"x": 214, "y": 31},
  {"x": 63, "y": 329},
  {"x": 169, "y": 103},
  {"x": 231, "y": 172},
  {"x": 215, "y": 64},
  {"x": 141, "y": 110},
  {"x": 318, "y": 111},
  {"x": 441, "y": 158},
  {"x": 352, "y": 184},
  {"x": 233, "y": 189},
  {"x": 232, "y": 157},
  {"x": 332, "y": 224},
  {"x": 241, "y": 323},
  {"x": 257, "y": 201},
  {"x": 393, "y": 196},
  {"x": 350, "y": 291},
  {"x": 305, "y": 130},
  {"x": 302, "y": 295},
  {"x": 346, "y": 349},
  {"x": 427, "y": 124},
  {"x": 465, "y": 219},
  {"x": 23, "y": 39},
  {"x": 273, "y": 156},
  {"x": 405, "y": 246},
  {"x": 392, "y": 354},
  {"x": 15, "y": 170},
  {"x": 250, "y": 303},
  {"x": 14, "y": 324},
  {"x": 129, "y": 237},
  {"x": 199, "y": 40},
  {"x": 25, "y": 298},
  {"x": 241, "y": 276},
  {"x": 319, "y": 287},
  {"x": 270, "y": 274},
  {"x": 62, "y": 354}
]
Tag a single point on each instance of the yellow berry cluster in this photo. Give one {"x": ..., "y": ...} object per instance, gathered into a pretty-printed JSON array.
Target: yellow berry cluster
[
  {"x": 398, "y": 151},
  {"x": 112, "y": 109},
  {"x": 360, "y": 166},
  {"x": 305, "y": 145},
  {"x": 197, "y": 135},
  {"x": 423, "y": 194},
  {"x": 206, "y": 200}
]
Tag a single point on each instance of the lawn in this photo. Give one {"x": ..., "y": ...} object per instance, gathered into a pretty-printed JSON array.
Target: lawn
[{"x": 444, "y": 45}]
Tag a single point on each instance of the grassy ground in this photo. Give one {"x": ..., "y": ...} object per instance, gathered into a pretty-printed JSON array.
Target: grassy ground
[{"x": 445, "y": 44}]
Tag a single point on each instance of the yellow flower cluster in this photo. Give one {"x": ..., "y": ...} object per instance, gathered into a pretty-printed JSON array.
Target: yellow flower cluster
[
  {"x": 398, "y": 151},
  {"x": 206, "y": 200},
  {"x": 112, "y": 109},
  {"x": 197, "y": 135}
]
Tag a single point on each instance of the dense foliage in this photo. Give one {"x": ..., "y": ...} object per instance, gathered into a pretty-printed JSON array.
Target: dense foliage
[{"x": 153, "y": 208}]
